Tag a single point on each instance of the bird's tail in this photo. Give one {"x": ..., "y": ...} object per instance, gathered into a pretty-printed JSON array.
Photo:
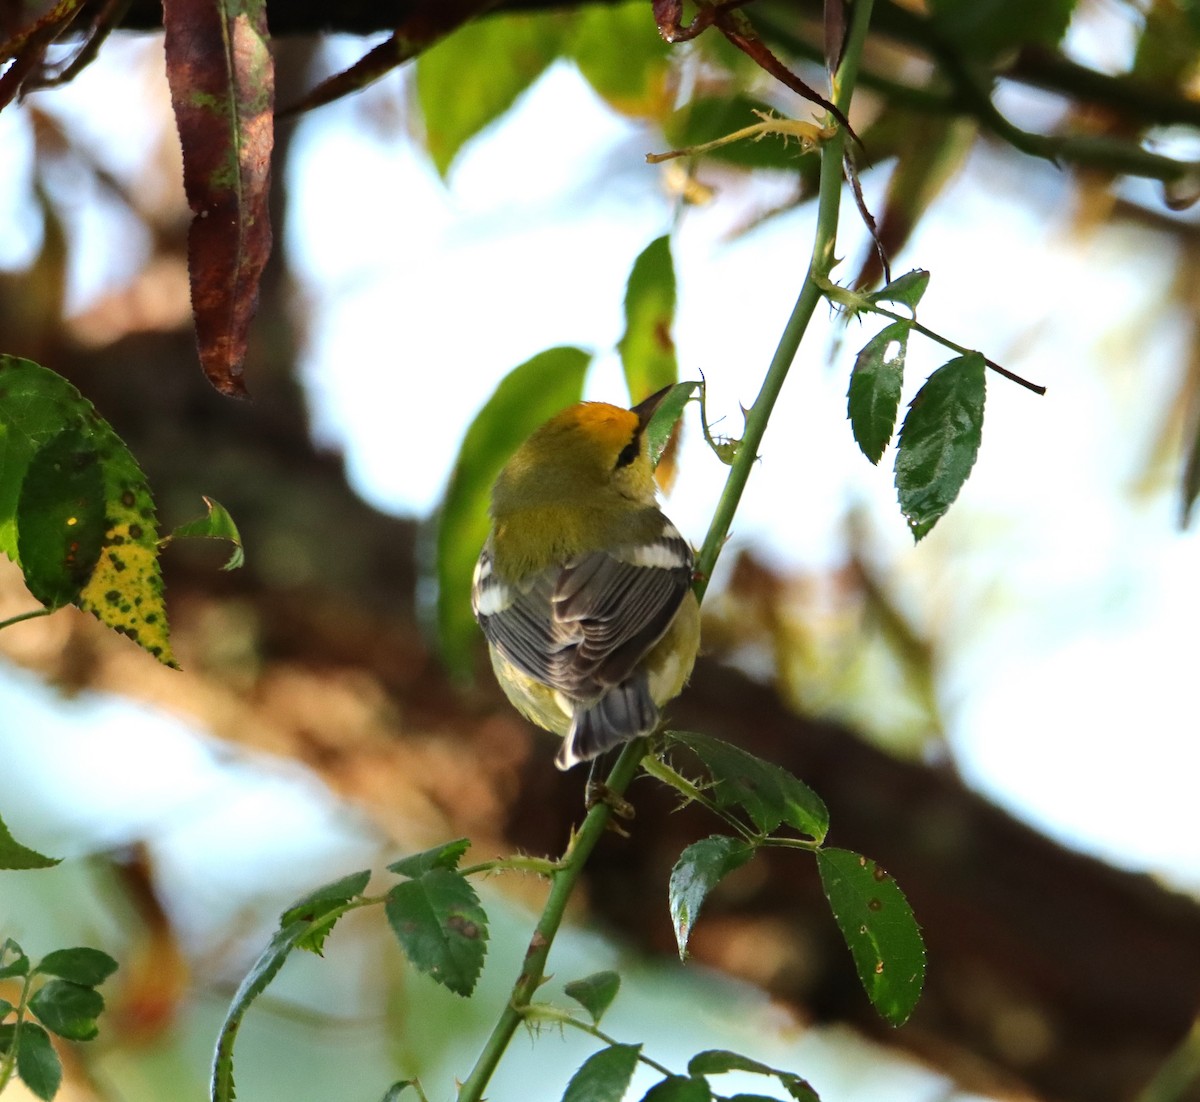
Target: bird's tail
[{"x": 623, "y": 713}]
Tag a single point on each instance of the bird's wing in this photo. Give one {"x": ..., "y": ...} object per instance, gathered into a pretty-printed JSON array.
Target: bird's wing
[{"x": 582, "y": 627}]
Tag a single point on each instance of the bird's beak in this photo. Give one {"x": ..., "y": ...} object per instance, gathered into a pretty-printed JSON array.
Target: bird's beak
[{"x": 646, "y": 408}]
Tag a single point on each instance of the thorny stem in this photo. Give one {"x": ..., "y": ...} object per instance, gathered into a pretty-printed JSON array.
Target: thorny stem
[
  {"x": 828, "y": 207},
  {"x": 562, "y": 884},
  {"x": 565, "y": 877}
]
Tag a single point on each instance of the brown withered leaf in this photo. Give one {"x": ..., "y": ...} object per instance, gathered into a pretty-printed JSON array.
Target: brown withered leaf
[{"x": 222, "y": 81}]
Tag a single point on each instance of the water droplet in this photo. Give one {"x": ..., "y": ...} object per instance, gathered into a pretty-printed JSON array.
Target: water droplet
[
  {"x": 875, "y": 904},
  {"x": 879, "y": 968},
  {"x": 878, "y": 873}
]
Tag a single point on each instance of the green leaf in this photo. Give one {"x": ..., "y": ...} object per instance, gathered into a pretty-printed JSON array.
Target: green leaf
[
  {"x": 474, "y": 76},
  {"x": 647, "y": 348},
  {"x": 445, "y": 856},
  {"x": 718, "y": 1061},
  {"x": 879, "y": 927},
  {"x": 442, "y": 928},
  {"x": 60, "y": 517},
  {"x": 215, "y": 524},
  {"x": 770, "y": 795},
  {"x": 699, "y": 869},
  {"x": 6, "y": 1008},
  {"x": 939, "y": 441},
  {"x": 526, "y": 397},
  {"x": 907, "y": 290},
  {"x": 264, "y": 971},
  {"x": 124, "y": 590},
  {"x": 989, "y": 27},
  {"x": 37, "y": 1062},
  {"x": 874, "y": 395},
  {"x": 323, "y": 907},
  {"x": 397, "y": 1088},
  {"x": 662, "y": 424},
  {"x": 13, "y": 855},
  {"x": 68, "y": 1009},
  {"x": 81, "y": 965},
  {"x": 17, "y": 962},
  {"x": 622, "y": 56},
  {"x": 604, "y": 1076},
  {"x": 679, "y": 1088},
  {"x": 595, "y": 993}
]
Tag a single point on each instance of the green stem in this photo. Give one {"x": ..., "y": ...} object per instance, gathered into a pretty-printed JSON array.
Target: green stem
[
  {"x": 954, "y": 346},
  {"x": 540, "y": 1012},
  {"x": 10, "y": 1058},
  {"x": 562, "y": 884},
  {"x": 822, "y": 261},
  {"x": 26, "y": 616},
  {"x": 564, "y": 878}
]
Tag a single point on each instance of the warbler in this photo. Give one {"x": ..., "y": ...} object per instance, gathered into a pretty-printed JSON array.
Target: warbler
[{"x": 583, "y": 588}]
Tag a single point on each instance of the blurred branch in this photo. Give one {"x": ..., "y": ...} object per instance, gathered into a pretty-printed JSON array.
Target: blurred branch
[
  {"x": 968, "y": 90},
  {"x": 969, "y": 94}
]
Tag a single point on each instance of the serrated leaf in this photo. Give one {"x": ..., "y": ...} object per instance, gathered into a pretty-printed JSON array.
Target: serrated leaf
[
  {"x": 620, "y": 53},
  {"x": 322, "y": 908},
  {"x": 13, "y": 855},
  {"x": 445, "y": 856},
  {"x": 594, "y": 993},
  {"x": 879, "y": 928},
  {"x": 68, "y": 1009},
  {"x": 60, "y": 517},
  {"x": 442, "y": 928},
  {"x": 718, "y": 1061},
  {"x": 456, "y": 101},
  {"x": 660, "y": 432},
  {"x": 679, "y": 1088},
  {"x": 647, "y": 347},
  {"x": 769, "y": 794},
  {"x": 37, "y": 1062},
  {"x": 125, "y": 588},
  {"x": 222, "y": 79},
  {"x": 527, "y": 396},
  {"x": 265, "y": 969},
  {"x": 18, "y": 962},
  {"x": 940, "y": 440},
  {"x": 81, "y": 965},
  {"x": 604, "y": 1076},
  {"x": 906, "y": 290},
  {"x": 874, "y": 395},
  {"x": 700, "y": 868},
  {"x": 215, "y": 524}
]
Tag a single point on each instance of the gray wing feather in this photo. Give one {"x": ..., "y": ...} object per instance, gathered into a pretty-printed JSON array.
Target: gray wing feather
[{"x": 582, "y": 628}]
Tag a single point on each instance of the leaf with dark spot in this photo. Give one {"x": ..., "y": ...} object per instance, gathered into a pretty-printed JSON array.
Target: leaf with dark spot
[{"x": 222, "y": 80}]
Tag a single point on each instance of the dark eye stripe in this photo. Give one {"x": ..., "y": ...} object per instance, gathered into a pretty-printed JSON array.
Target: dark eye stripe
[{"x": 630, "y": 452}]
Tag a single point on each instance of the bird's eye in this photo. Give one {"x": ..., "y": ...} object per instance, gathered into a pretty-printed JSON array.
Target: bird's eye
[{"x": 629, "y": 453}]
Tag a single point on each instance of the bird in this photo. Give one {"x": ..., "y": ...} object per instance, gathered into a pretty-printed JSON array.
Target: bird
[{"x": 584, "y": 588}]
